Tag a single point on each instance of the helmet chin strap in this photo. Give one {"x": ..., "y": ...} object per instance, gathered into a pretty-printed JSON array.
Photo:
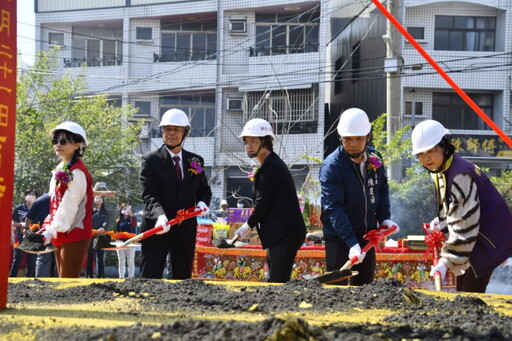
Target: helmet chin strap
[
  {"x": 353, "y": 156},
  {"x": 172, "y": 147},
  {"x": 253, "y": 155}
]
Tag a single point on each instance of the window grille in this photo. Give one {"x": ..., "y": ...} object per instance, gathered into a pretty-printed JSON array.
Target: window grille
[{"x": 282, "y": 106}]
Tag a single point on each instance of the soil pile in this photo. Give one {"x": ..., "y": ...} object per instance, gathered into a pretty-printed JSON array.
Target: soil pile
[
  {"x": 101, "y": 241},
  {"x": 32, "y": 242},
  {"x": 412, "y": 314}
]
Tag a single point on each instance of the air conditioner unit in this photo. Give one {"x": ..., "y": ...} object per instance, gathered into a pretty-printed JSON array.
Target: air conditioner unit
[
  {"x": 235, "y": 104},
  {"x": 238, "y": 26}
]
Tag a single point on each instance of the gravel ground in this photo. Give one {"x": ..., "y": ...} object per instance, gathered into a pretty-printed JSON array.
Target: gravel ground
[{"x": 416, "y": 315}]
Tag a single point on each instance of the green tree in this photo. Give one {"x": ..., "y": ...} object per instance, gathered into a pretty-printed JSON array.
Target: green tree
[
  {"x": 504, "y": 185},
  {"x": 45, "y": 98},
  {"x": 412, "y": 200},
  {"x": 397, "y": 149}
]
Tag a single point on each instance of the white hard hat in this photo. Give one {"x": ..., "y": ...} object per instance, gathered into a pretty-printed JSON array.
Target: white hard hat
[
  {"x": 72, "y": 127},
  {"x": 426, "y": 135},
  {"x": 223, "y": 202},
  {"x": 175, "y": 117},
  {"x": 354, "y": 122},
  {"x": 257, "y": 127}
]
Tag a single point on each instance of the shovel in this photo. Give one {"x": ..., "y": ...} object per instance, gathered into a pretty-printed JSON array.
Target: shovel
[
  {"x": 434, "y": 240},
  {"x": 33, "y": 242},
  {"x": 180, "y": 216},
  {"x": 344, "y": 272}
]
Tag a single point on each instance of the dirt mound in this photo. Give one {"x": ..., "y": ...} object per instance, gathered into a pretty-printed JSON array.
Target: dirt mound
[{"x": 413, "y": 314}]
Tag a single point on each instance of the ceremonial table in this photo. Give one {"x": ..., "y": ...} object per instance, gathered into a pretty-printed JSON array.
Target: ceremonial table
[{"x": 248, "y": 263}]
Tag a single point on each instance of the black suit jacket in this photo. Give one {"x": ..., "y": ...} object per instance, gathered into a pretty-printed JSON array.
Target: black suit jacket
[
  {"x": 276, "y": 211},
  {"x": 164, "y": 193}
]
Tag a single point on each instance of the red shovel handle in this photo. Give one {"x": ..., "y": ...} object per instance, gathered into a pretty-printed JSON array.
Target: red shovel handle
[
  {"x": 373, "y": 238},
  {"x": 181, "y": 215}
]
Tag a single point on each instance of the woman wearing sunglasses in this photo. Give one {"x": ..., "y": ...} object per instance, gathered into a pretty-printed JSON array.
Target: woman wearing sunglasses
[{"x": 69, "y": 224}]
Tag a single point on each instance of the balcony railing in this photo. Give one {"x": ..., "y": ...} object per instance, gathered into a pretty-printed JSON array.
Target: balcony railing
[
  {"x": 184, "y": 56},
  {"x": 92, "y": 62},
  {"x": 282, "y": 49}
]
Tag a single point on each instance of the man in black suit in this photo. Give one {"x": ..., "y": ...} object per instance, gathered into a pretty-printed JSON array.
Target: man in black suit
[{"x": 172, "y": 179}]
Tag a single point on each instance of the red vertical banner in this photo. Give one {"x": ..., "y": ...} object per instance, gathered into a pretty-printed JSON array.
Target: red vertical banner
[{"x": 8, "y": 56}]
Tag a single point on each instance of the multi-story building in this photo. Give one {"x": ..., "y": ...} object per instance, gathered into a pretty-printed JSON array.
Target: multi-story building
[
  {"x": 469, "y": 39},
  {"x": 221, "y": 61}
]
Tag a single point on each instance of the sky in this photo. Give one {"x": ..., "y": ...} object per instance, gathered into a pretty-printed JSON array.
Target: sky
[{"x": 26, "y": 30}]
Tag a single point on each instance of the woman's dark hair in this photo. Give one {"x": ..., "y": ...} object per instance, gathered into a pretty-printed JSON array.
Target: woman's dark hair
[
  {"x": 447, "y": 146},
  {"x": 31, "y": 191},
  {"x": 121, "y": 216},
  {"x": 266, "y": 142},
  {"x": 75, "y": 138},
  {"x": 103, "y": 209}
]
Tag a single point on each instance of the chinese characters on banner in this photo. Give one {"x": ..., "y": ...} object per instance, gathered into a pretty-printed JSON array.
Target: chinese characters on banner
[
  {"x": 8, "y": 55},
  {"x": 481, "y": 146}
]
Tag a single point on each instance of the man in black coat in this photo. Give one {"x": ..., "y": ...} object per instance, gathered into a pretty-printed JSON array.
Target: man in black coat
[
  {"x": 172, "y": 179},
  {"x": 276, "y": 215}
]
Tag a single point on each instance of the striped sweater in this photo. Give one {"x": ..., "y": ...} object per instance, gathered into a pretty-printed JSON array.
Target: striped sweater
[
  {"x": 459, "y": 218},
  {"x": 474, "y": 217}
]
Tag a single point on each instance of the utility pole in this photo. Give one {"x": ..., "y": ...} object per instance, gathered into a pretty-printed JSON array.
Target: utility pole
[{"x": 392, "y": 67}]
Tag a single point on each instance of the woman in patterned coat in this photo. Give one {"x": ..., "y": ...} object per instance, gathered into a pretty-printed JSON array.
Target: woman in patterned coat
[{"x": 470, "y": 211}]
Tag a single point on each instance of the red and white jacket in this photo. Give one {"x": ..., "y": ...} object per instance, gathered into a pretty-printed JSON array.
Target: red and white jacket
[{"x": 70, "y": 216}]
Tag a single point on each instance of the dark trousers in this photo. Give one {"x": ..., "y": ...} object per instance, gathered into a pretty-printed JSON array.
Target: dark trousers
[
  {"x": 470, "y": 283},
  {"x": 336, "y": 255},
  {"x": 45, "y": 265},
  {"x": 179, "y": 243},
  {"x": 16, "y": 262},
  {"x": 31, "y": 265},
  {"x": 91, "y": 254},
  {"x": 281, "y": 256}
]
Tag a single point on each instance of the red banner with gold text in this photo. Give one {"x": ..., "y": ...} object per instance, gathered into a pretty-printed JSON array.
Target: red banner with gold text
[{"x": 8, "y": 57}]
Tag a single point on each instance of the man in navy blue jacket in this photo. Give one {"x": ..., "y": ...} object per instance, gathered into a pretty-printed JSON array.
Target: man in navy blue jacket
[{"x": 355, "y": 197}]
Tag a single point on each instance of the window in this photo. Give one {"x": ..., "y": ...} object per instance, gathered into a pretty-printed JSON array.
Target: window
[
  {"x": 292, "y": 111},
  {"x": 144, "y": 108},
  {"x": 200, "y": 110},
  {"x": 416, "y": 32},
  {"x": 237, "y": 26},
  {"x": 286, "y": 34},
  {"x": 418, "y": 108},
  {"x": 56, "y": 39},
  {"x": 454, "y": 113},
  {"x": 96, "y": 47},
  {"x": 188, "y": 41},
  {"x": 356, "y": 62},
  {"x": 235, "y": 104},
  {"x": 338, "y": 78},
  {"x": 144, "y": 33},
  {"x": 460, "y": 33}
]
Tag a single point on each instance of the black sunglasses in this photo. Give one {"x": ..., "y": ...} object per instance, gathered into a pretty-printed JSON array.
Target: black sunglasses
[{"x": 62, "y": 142}]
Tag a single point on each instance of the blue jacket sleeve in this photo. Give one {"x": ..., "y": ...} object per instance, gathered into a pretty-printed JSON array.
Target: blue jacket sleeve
[{"x": 333, "y": 203}]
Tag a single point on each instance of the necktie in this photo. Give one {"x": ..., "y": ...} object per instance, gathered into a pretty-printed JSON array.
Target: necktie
[{"x": 177, "y": 166}]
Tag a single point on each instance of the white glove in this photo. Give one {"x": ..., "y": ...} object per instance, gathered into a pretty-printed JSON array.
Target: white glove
[
  {"x": 435, "y": 225},
  {"x": 48, "y": 236},
  {"x": 355, "y": 251},
  {"x": 390, "y": 223},
  {"x": 162, "y": 221},
  {"x": 203, "y": 208},
  {"x": 243, "y": 231},
  {"x": 441, "y": 267}
]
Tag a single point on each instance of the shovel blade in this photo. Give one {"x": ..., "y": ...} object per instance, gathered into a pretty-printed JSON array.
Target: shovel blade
[{"x": 336, "y": 276}]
